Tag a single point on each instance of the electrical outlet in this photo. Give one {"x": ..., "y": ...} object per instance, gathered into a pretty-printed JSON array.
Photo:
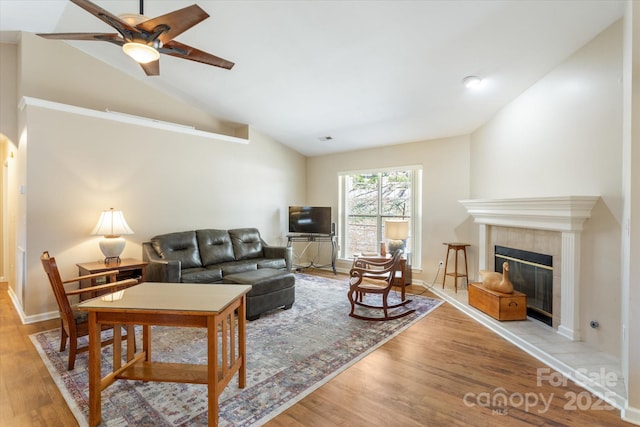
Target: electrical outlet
[{"x": 440, "y": 264}]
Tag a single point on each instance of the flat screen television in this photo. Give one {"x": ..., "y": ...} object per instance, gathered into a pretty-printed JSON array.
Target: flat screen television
[{"x": 310, "y": 219}]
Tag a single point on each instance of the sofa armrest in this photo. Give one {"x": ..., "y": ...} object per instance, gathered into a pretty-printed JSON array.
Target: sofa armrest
[
  {"x": 285, "y": 252},
  {"x": 158, "y": 269}
]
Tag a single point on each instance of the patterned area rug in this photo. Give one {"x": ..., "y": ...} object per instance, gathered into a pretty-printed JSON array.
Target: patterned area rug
[{"x": 290, "y": 354}]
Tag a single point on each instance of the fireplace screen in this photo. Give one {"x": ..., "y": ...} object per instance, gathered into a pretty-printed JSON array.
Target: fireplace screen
[{"x": 532, "y": 274}]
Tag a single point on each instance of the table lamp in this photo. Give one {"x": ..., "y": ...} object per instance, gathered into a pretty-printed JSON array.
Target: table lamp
[
  {"x": 112, "y": 226},
  {"x": 397, "y": 231}
]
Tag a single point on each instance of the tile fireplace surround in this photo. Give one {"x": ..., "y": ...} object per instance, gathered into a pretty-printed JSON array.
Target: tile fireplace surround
[
  {"x": 552, "y": 226},
  {"x": 548, "y": 225}
]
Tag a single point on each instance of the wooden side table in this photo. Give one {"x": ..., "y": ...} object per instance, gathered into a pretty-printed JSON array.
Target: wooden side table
[
  {"x": 128, "y": 268},
  {"x": 403, "y": 279},
  {"x": 456, "y": 247}
]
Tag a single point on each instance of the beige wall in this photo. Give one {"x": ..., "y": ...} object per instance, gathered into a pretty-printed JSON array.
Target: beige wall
[
  {"x": 162, "y": 180},
  {"x": 8, "y": 92},
  {"x": 73, "y": 166},
  {"x": 445, "y": 180},
  {"x": 563, "y": 136}
]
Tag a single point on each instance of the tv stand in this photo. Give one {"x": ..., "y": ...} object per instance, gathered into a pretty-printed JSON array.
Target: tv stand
[{"x": 319, "y": 238}]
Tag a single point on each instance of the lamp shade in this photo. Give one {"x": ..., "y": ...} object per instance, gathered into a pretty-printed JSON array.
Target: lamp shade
[
  {"x": 396, "y": 229},
  {"x": 111, "y": 224}
]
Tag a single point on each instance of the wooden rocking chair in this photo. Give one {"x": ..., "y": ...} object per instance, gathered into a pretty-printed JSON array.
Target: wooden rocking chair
[
  {"x": 369, "y": 277},
  {"x": 73, "y": 323}
]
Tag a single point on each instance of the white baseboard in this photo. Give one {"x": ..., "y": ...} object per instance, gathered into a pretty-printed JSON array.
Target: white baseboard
[
  {"x": 30, "y": 319},
  {"x": 631, "y": 415}
]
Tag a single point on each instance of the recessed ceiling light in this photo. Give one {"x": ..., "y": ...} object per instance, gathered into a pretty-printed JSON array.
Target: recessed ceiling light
[
  {"x": 325, "y": 138},
  {"x": 472, "y": 82}
]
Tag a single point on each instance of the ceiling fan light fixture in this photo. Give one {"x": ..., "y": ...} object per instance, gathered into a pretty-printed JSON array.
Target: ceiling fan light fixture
[
  {"x": 133, "y": 19},
  {"x": 144, "y": 39},
  {"x": 141, "y": 53}
]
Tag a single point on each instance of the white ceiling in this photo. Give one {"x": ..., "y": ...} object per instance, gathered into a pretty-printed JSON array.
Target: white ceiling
[{"x": 366, "y": 73}]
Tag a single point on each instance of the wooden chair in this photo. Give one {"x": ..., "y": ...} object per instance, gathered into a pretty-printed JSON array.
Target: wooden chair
[
  {"x": 369, "y": 277},
  {"x": 74, "y": 323}
]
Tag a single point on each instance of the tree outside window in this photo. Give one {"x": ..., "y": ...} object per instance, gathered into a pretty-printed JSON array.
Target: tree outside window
[{"x": 370, "y": 200}]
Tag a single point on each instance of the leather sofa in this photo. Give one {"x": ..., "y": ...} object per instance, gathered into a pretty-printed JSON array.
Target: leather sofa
[
  {"x": 237, "y": 256},
  {"x": 206, "y": 256}
]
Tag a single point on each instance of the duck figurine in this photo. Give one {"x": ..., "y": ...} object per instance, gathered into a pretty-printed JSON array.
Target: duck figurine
[{"x": 496, "y": 281}]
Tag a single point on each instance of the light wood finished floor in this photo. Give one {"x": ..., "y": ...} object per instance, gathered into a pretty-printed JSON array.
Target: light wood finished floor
[{"x": 419, "y": 378}]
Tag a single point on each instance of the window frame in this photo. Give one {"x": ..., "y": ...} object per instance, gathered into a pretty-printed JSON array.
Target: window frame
[{"x": 415, "y": 210}]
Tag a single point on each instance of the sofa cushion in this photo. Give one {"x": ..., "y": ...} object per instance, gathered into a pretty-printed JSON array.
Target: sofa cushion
[
  {"x": 247, "y": 243},
  {"x": 180, "y": 246},
  {"x": 263, "y": 281},
  {"x": 275, "y": 263},
  {"x": 238, "y": 266},
  {"x": 201, "y": 275},
  {"x": 215, "y": 246}
]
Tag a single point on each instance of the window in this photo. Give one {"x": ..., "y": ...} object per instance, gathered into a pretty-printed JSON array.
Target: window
[{"x": 368, "y": 199}]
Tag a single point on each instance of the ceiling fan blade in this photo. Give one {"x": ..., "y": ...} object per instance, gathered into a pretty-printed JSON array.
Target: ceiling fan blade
[
  {"x": 162, "y": 29},
  {"x": 106, "y": 16},
  {"x": 103, "y": 37},
  {"x": 152, "y": 68},
  {"x": 176, "y": 22},
  {"x": 184, "y": 51}
]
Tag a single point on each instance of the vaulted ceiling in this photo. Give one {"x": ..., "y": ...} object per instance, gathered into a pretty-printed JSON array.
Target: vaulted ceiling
[{"x": 365, "y": 73}]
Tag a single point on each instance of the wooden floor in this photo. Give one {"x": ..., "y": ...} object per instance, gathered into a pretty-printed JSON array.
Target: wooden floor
[{"x": 446, "y": 370}]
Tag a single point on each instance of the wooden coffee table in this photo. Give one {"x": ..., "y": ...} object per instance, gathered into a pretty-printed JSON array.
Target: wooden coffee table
[{"x": 170, "y": 304}]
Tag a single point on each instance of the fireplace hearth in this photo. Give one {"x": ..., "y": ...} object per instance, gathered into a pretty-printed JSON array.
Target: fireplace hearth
[{"x": 532, "y": 274}]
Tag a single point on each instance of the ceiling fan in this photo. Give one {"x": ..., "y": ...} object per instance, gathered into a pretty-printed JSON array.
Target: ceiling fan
[{"x": 145, "y": 39}]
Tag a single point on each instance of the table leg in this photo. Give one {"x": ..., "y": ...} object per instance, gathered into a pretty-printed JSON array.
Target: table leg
[
  {"x": 334, "y": 251},
  {"x": 466, "y": 271},
  {"x": 403, "y": 266},
  {"x": 212, "y": 364},
  {"x": 446, "y": 263},
  {"x": 455, "y": 271},
  {"x": 242, "y": 342},
  {"x": 117, "y": 347},
  {"x": 146, "y": 342},
  {"x": 131, "y": 342},
  {"x": 95, "y": 398}
]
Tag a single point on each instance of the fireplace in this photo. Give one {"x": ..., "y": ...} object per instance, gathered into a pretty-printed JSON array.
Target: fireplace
[
  {"x": 550, "y": 225},
  {"x": 532, "y": 274}
]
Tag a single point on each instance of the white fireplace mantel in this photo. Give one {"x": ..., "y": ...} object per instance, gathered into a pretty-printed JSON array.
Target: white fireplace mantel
[
  {"x": 563, "y": 214},
  {"x": 544, "y": 213}
]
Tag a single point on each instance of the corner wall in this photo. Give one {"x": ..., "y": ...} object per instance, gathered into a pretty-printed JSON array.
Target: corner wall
[{"x": 561, "y": 137}]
